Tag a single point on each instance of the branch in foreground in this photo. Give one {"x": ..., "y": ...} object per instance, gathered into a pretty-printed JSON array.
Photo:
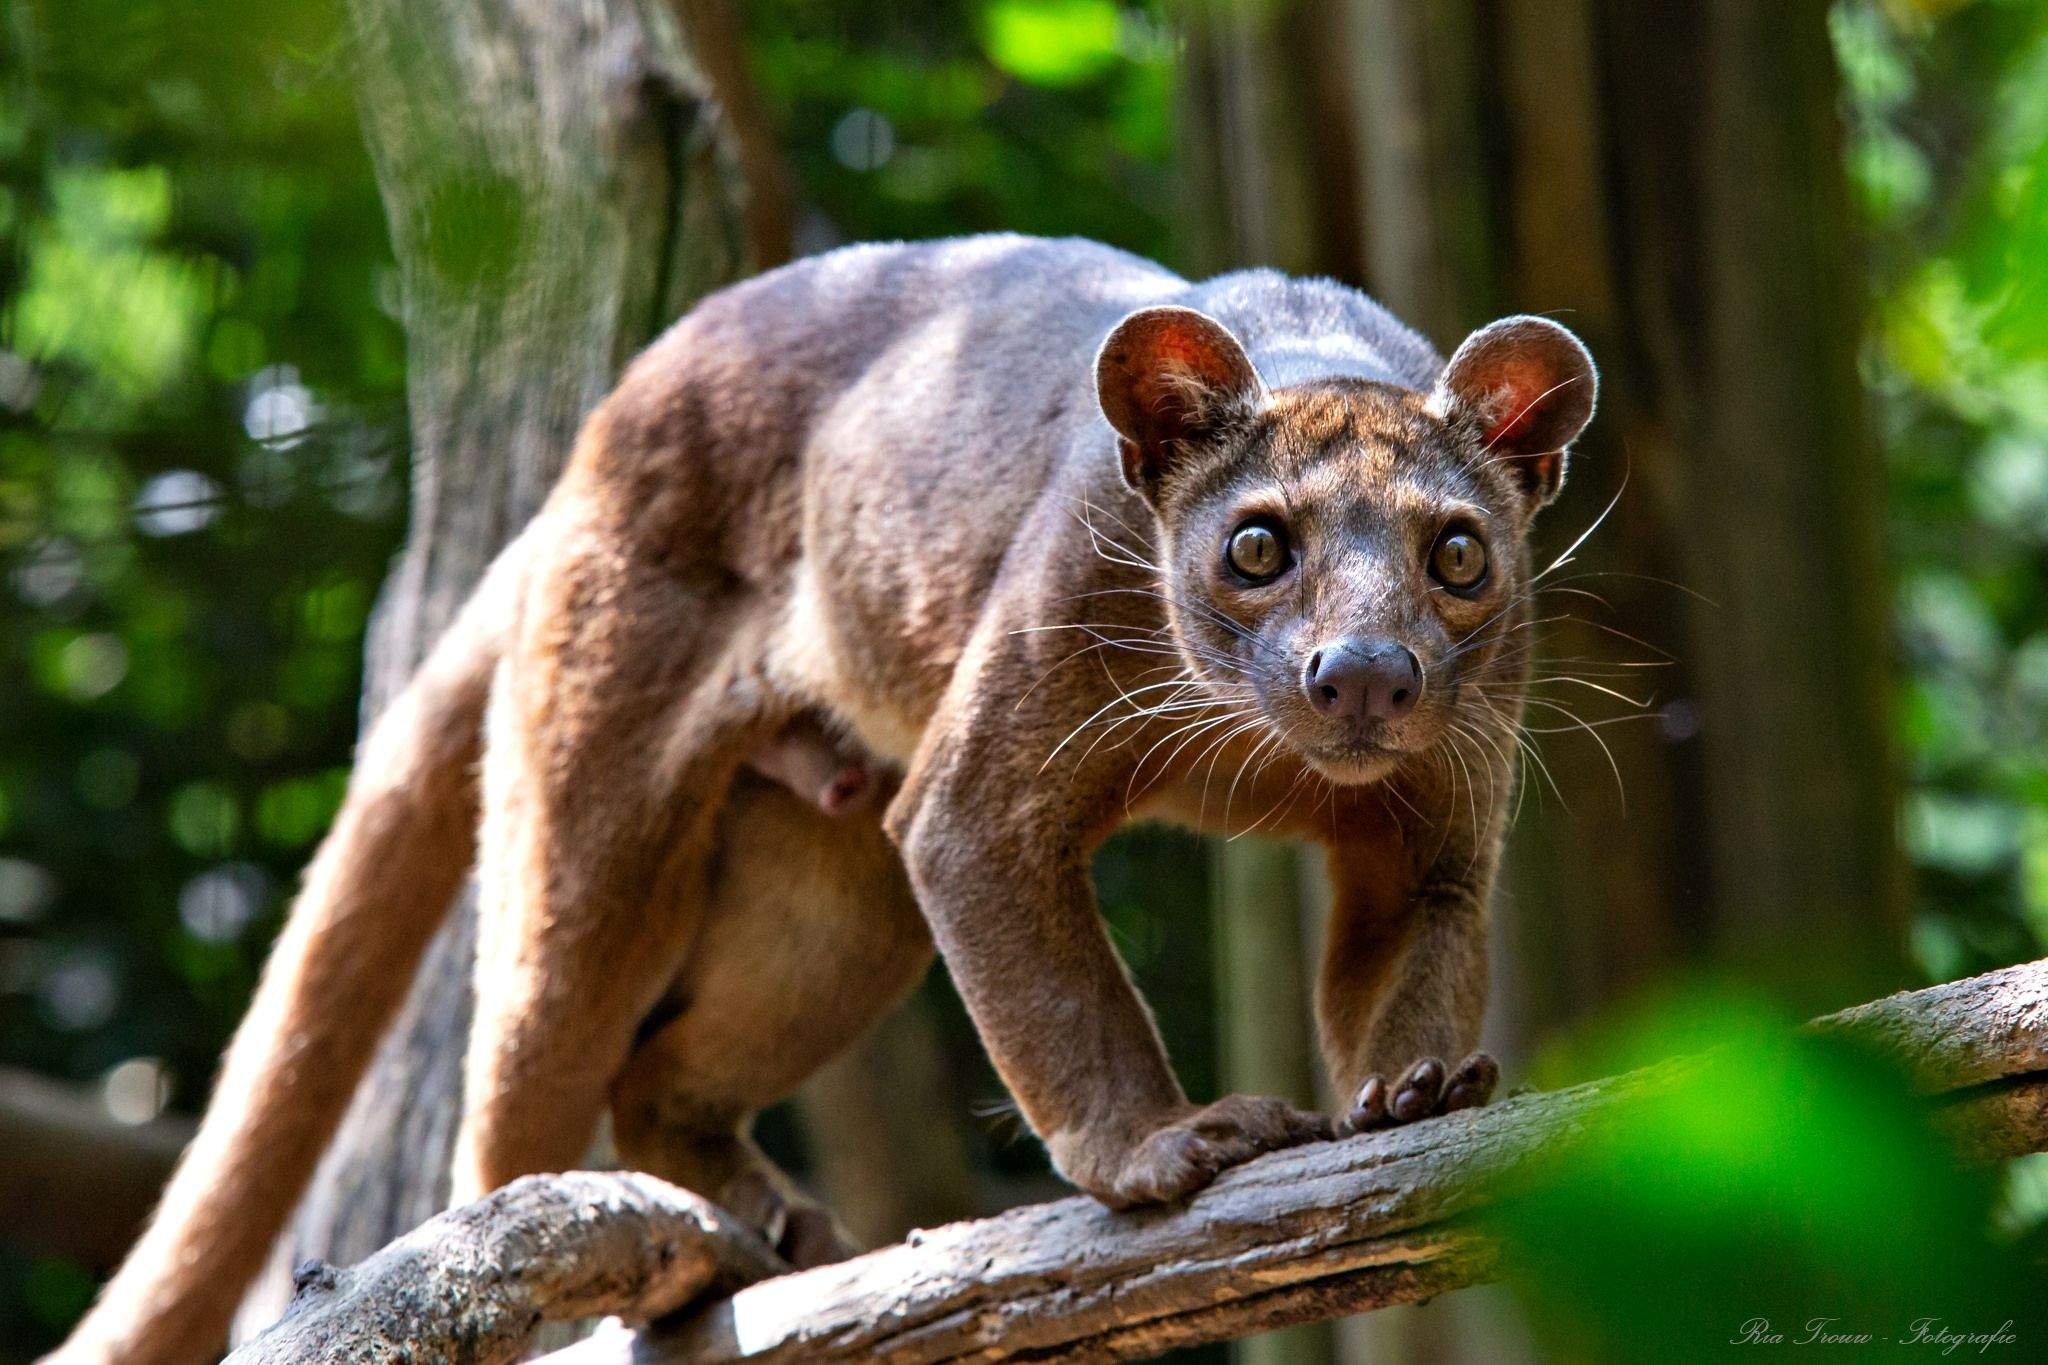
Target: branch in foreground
[
  {"x": 474, "y": 1283},
  {"x": 1308, "y": 1234}
]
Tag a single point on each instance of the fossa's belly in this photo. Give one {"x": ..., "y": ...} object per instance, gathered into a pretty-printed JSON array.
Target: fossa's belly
[{"x": 858, "y": 672}]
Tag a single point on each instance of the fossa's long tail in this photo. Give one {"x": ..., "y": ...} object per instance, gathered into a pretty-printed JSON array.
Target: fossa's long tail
[{"x": 373, "y": 896}]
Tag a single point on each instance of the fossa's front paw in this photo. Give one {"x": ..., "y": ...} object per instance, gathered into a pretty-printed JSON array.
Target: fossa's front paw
[
  {"x": 1425, "y": 1090},
  {"x": 1180, "y": 1157}
]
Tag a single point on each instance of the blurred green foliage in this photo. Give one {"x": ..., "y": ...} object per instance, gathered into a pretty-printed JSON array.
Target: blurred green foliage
[
  {"x": 1778, "y": 1185},
  {"x": 200, "y": 483},
  {"x": 201, "y": 480},
  {"x": 1948, "y": 152},
  {"x": 927, "y": 118}
]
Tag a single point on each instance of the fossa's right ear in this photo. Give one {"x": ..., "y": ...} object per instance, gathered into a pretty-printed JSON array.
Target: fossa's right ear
[
  {"x": 1528, "y": 386},
  {"x": 1165, "y": 377}
]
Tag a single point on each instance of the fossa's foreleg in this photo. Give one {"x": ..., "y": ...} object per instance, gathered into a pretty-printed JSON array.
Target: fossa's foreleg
[{"x": 1403, "y": 984}]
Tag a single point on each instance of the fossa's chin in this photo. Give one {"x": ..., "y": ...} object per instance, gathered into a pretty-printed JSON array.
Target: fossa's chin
[{"x": 1357, "y": 764}]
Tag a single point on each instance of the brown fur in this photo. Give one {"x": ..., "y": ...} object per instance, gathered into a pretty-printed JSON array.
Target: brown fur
[{"x": 872, "y": 495}]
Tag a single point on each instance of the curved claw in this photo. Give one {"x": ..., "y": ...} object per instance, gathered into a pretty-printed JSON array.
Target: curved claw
[{"x": 1425, "y": 1090}]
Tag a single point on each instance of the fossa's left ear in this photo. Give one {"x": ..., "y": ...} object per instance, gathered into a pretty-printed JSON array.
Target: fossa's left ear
[
  {"x": 1529, "y": 386},
  {"x": 1166, "y": 378}
]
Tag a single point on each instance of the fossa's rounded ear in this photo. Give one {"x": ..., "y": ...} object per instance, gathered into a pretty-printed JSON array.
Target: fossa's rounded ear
[
  {"x": 1165, "y": 377},
  {"x": 1529, "y": 386}
]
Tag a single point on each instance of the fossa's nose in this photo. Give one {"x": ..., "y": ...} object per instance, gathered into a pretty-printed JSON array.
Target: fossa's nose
[{"x": 1363, "y": 680}]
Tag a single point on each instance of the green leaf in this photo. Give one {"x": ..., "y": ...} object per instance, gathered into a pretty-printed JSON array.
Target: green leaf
[
  {"x": 1051, "y": 42},
  {"x": 1779, "y": 1177}
]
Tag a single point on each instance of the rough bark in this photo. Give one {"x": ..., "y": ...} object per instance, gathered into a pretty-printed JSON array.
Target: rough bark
[
  {"x": 60, "y": 1141},
  {"x": 472, "y": 1284},
  {"x": 557, "y": 191},
  {"x": 1298, "y": 1236},
  {"x": 1983, "y": 1029}
]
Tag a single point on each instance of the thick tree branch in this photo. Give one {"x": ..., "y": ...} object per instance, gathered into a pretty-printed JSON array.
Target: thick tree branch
[
  {"x": 1965, "y": 1033},
  {"x": 1312, "y": 1233},
  {"x": 474, "y": 1283}
]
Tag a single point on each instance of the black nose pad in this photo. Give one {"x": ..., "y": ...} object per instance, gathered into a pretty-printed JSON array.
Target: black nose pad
[{"x": 1363, "y": 680}]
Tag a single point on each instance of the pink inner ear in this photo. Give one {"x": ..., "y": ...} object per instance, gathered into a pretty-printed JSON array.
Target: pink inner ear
[
  {"x": 1165, "y": 372},
  {"x": 1515, "y": 403},
  {"x": 1184, "y": 349},
  {"x": 1516, "y": 406},
  {"x": 1176, "y": 346}
]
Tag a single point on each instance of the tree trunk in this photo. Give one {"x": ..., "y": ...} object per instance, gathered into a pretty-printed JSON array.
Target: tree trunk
[
  {"x": 1672, "y": 177},
  {"x": 1793, "y": 664},
  {"x": 557, "y": 191},
  {"x": 1585, "y": 929}
]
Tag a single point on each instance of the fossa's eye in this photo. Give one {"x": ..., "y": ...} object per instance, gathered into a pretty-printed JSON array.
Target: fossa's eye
[
  {"x": 1458, "y": 561},
  {"x": 1257, "y": 551}
]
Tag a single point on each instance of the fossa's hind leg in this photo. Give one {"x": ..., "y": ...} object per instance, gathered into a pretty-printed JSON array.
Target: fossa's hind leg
[
  {"x": 811, "y": 937},
  {"x": 614, "y": 730}
]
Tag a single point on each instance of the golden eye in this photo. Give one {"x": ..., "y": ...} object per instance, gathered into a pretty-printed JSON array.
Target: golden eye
[
  {"x": 1458, "y": 561},
  {"x": 1257, "y": 551}
]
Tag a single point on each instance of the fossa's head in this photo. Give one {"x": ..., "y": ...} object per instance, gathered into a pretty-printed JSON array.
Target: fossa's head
[{"x": 1352, "y": 554}]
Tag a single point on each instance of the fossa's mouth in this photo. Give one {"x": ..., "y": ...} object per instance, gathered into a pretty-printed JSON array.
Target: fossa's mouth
[{"x": 1355, "y": 761}]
